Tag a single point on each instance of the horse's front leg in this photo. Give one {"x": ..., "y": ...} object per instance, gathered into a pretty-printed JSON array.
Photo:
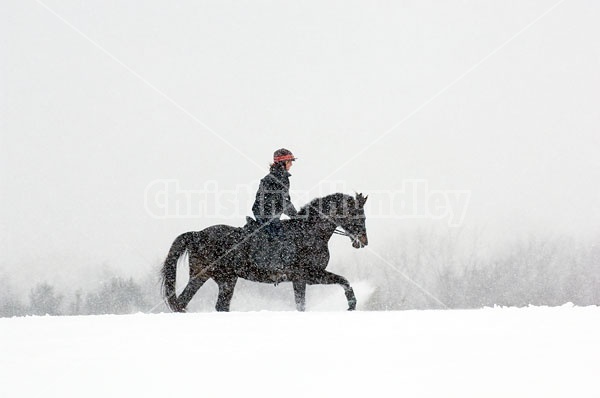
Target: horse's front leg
[
  {"x": 300, "y": 295},
  {"x": 329, "y": 278}
]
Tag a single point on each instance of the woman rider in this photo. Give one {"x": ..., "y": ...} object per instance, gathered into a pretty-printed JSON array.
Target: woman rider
[{"x": 273, "y": 196}]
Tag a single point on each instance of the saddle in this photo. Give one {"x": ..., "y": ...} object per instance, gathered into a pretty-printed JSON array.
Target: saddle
[{"x": 268, "y": 252}]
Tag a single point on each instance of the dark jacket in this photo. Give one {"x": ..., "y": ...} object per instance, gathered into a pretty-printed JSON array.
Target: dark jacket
[{"x": 273, "y": 196}]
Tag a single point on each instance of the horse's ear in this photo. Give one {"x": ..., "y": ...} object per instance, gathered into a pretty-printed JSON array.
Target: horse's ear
[{"x": 361, "y": 199}]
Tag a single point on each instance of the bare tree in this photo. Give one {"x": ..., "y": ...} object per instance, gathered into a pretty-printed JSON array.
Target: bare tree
[{"x": 43, "y": 300}]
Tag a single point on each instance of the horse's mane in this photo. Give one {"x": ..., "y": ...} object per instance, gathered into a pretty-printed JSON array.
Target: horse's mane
[{"x": 323, "y": 204}]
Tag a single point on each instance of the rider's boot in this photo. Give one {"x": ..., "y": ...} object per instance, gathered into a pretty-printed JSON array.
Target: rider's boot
[{"x": 278, "y": 276}]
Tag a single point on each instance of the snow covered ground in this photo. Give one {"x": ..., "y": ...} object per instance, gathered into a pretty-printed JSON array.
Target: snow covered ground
[{"x": 542, "y": 352}]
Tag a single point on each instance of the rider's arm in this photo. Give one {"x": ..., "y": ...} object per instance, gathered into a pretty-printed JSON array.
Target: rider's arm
[{"x": 288, "y": 208}]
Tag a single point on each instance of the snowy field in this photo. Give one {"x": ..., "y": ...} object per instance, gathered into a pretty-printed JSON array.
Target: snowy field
[{"x": 500, "y": 352}]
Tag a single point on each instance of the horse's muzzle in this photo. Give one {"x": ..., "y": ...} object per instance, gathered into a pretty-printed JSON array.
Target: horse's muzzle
[{"x": 360, "y": 241}]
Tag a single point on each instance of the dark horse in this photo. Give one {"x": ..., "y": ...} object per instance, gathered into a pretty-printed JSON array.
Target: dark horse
[{"x": 226, "y": 253}]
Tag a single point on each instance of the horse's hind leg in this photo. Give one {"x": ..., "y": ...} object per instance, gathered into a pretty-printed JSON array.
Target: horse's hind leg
[
  {"x": 196, "y": 281},
  {"x": 300, "y": 295},
  {"x": 226, "y": 287},
  {"x": 329, "y": 278},
  {"x": 190, "y": 290}
]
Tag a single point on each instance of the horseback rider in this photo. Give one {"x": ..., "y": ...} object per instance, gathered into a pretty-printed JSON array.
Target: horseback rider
[
  {"x": 273, "y": 196},
  {"x": 273, "y": 200}
]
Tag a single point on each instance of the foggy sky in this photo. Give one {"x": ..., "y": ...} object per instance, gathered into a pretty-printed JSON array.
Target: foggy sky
[{"x": 82, "y": 136}]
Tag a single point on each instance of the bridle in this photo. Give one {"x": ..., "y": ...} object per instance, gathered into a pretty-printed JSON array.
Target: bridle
[{"x": 343, "y": 233}]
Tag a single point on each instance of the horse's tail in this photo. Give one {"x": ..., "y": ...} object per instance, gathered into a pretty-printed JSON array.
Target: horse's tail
[{"x": 169, "y": 271}]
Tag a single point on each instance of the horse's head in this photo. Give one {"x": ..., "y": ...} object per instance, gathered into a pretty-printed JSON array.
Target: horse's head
[
  {"x": 342, "y": 210},
  {"x": 353, "y": 220}
]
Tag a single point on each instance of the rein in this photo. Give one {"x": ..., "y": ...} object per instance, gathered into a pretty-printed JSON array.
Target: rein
[{"x": 339, "y": 232}]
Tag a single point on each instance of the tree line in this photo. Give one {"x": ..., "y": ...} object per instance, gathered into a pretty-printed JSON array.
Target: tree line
[
  {"x": 118, "y": 295},
  {"x": 444, "y": 272},
  {"x": 422, "y": 271}
]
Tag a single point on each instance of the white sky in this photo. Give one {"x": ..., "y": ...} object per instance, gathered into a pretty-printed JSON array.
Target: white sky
[{"x": 82, "y": 136}]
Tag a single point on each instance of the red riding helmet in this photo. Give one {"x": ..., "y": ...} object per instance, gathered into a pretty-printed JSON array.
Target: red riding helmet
[{"x": 281, "y": 155}]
